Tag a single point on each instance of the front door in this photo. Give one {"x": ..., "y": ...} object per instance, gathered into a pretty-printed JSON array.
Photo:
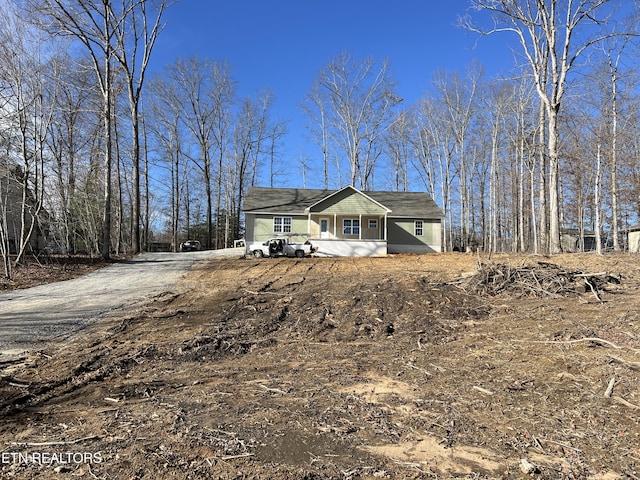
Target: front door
[{"x": 324, "y": 228}]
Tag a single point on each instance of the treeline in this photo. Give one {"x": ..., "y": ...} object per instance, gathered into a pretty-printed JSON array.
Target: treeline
[
  {"x": 100, "y": 156},
  {"x": 514, "y": 162}
]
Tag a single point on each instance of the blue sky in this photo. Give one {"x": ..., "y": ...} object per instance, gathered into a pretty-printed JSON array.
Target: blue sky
[{"x": 282, "y": 45}]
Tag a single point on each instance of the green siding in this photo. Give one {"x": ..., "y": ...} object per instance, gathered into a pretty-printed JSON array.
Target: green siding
[
  {"x": 347, "y": 202},
  {"x": 263, "y": 226},
  {"x": 401, "y": 231}
]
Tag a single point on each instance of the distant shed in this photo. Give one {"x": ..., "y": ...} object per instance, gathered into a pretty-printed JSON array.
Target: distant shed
[
  {"x": 572, "y": 240},
  {"x": 633, "y": 239}
]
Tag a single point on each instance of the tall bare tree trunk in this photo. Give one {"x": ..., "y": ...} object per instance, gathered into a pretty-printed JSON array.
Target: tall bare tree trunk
[
  {"x": 105, "y": 247},
  {"x": 596, "y": 203},
  {"x": 542, "y": 189},
  {"x": 554, "y": 192}
]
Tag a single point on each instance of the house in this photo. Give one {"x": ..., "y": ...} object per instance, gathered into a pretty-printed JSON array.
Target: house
[{"x": 345, "y": 222}]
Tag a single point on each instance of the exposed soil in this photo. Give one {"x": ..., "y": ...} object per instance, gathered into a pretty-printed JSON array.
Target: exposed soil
[
  {"x": 32, "y": 271},
  {"x": 342, "y": 368}
]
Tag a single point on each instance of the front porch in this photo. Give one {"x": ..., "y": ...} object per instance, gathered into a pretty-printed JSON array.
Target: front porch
[
  {"x": 347, "y": 227},
  {"x": 350, "y": 248},
  {"x": 348, "y": 235}
]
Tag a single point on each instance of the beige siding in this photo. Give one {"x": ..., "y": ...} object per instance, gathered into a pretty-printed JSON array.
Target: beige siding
[
  {"x": 634, "y": 242},
  {"x": 372, "y": 233}
]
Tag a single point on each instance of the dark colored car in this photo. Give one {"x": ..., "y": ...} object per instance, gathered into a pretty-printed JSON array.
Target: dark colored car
[{"x": 190, "y": 246}]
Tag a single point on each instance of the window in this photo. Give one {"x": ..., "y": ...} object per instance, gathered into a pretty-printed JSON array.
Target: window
[
  {"x": 373, "y": 224},
  {"x": 351, "y": 226},
  {"x": 418, "y": 228},
  {"x": 282, "y": 224}
]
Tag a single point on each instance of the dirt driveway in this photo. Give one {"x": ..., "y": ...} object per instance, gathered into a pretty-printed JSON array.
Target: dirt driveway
[{"x": 31, "y": 316}]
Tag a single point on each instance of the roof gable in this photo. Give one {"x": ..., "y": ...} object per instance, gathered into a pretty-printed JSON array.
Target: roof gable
[{"x": 348, "y": 199}]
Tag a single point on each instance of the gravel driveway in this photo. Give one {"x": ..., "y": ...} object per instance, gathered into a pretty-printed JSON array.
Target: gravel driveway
[{"x": 33, "y": 315}]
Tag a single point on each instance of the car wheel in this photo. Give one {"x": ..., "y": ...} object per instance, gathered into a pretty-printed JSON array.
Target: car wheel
[
  {"x": 299, "y": 253},
  {"x": 258, "y": 253}
]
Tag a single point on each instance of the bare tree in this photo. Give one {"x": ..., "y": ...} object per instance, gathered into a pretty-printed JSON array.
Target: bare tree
[
  {"x": 92, "y": 23},
  {"x": 5, "y": 246},
  {"x": 550, "y": 34},
  {"x": 435, "y": 148},
  {"x": 255, "y": 138},
  {"x": 597, "y": 206},
  {"x": 165, "y": 124},
  {"x": 135, "y": 36},
  {"x": 32, "y": 87},
  {"x": 459, "y": 97},
  {"x": 71, "y": 131},
  {"x": 524, "y": 140},
  {"x": 205, "y": 91},
  {"x": 357, "y": 102},
  {"x": 398, "y": 150},
  {"x": 614, "y": 55},
  {"x": 316, "y": 109}
]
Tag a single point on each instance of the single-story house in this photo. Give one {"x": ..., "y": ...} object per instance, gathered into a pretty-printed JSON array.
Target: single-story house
[{"x": 345, "y": 222}]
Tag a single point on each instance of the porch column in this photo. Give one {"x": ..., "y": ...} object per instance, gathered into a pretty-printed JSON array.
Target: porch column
[
  {"x": 385, "y": 227},
  {"x": 335, "y": 226},
  {"x": 360, "y": 227},
  {"x": 309, "y": 226}
]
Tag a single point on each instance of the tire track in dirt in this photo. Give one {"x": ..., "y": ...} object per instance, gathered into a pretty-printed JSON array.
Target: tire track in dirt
[{"x": 277, "y": 272}]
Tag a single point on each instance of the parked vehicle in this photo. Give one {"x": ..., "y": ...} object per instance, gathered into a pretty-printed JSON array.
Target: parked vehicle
[
  {"x": 190, "y": 246},
  {"x": 280, "y": 247}
]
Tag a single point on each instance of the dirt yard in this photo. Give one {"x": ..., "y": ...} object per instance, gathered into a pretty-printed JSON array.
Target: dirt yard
[{"x": 351, "y": 368}]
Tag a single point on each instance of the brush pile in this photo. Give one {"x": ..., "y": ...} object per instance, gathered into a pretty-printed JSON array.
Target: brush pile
[{"x": 540, "y": 280}]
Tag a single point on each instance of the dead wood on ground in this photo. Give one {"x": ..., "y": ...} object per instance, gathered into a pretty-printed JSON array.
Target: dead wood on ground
[{"x": 540, "y": 280}]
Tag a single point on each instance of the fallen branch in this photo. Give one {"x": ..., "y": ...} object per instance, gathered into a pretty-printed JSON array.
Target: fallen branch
[
  {"x": 49, "y": 444},
  {"x": 593, "y": 290},
  {"x": 563, "y": 445},
  {"x": 622, "y": 401},
  {"x": 272, "y": 390},
  {"x": 242, "y": 455},
  {"x": 609, "y": 389},
  {"x": 600, "y": 274},
  {"x": 14, "y": 382},
  {"x": 597, "y": 340},
  {"x": 626, "y": 363},
  {"x": 11, "y": 361},
  {"x": 265, "y": 293},
  {"x": 483, "y": 390}
]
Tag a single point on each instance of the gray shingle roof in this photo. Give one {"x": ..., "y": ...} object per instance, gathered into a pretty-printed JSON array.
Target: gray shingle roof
[{"x": 295, "y": 200}]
